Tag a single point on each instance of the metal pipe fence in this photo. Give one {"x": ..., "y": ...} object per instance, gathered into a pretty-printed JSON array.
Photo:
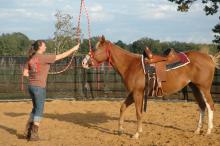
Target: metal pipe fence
[{"x": 76, "y": 82}]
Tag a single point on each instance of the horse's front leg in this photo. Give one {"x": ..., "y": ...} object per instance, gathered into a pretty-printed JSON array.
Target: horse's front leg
[
  {"x": 128, "y": 101},
  {"x": 138, "y": 99}
]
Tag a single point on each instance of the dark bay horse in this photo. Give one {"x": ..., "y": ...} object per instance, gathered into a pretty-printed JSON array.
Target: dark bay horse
[{"x": 198, "y": 74}]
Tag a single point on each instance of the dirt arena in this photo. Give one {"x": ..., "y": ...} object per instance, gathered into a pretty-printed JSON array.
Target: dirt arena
[{"x": 94, "y": 123}]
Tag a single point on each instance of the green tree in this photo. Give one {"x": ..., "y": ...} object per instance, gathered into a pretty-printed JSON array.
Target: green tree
[
  {"x": 159, "y": 47},
  {"x": 14, "y": 44},
  {"x": 210, "y": 7},
  {"x": 65, "y": 34},
  {"x": 122, "y": 45},
  {"x": 50, "y": 45},
  {"x": 216, "y": 30},
  {"x": 139, "y": 45},
  {"x": 84, "y": 47}
]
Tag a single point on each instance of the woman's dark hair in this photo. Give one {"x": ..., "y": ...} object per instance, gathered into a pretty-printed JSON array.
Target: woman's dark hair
[{"x": 34, "y": 47}]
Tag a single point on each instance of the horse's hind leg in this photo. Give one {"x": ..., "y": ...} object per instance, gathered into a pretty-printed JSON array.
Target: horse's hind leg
[
  {"x": 210, "y": 106},
  {"x": 205, "y": 92},
  {"x": 202, "y": 106},
  {"x": 138, "y": 98},
  {"x": 129, "y": 100}
]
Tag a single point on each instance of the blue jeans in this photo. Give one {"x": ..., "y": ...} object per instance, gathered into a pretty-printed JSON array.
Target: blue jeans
[{"x": 38, "y": 95}]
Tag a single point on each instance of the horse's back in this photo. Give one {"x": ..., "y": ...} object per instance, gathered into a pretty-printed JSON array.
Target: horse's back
[
  {"x": 201, "y": 59},
  {"x": 202, "y": 67}
]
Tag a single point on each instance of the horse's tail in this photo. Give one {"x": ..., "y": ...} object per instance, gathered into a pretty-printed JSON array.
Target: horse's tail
[{"x": 216, "y": 59}]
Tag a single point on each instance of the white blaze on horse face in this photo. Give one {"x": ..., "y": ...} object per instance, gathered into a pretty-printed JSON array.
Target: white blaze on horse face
[
  {"x": 97, "y": 45},
  {"x": 85, "y": 62}
]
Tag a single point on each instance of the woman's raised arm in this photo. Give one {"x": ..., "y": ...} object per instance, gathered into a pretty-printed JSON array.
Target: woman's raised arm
[{"x": 67, "y": 53}]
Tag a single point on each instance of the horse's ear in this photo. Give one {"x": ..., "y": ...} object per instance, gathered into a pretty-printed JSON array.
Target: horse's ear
[{"x": 102, "y": 39}]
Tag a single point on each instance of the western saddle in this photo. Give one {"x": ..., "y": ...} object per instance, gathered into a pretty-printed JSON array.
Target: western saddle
[
  {"x": 170, "y": 56},
  {"x": 155, "y": 68}
]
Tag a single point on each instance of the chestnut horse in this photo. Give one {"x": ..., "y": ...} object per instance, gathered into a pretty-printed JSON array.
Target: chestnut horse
[{"x": 198, "y": 74}]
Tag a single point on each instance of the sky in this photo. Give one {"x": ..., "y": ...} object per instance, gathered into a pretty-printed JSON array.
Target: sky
[{"x": 126, "y": 20}]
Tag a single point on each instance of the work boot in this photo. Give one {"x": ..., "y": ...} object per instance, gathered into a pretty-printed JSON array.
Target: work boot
[
  {"x": 33, "y": 133},
  {"x": 28, "y": 135},
  {"x": 28, "y": 125}
]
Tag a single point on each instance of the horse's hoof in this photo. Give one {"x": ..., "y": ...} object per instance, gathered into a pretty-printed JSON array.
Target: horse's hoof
[
  {"x": 135, "y": 136},
  {"x": 120, "y": 132},
  {"x": 208, "y": 132},
  {"x": 197, "y": 132}
]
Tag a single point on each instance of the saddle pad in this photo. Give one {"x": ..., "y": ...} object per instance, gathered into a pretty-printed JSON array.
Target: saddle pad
[{"x": 184, "y": 60}]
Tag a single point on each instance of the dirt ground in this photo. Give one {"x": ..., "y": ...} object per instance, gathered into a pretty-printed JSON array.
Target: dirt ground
[{"x": 94, "y": 123}]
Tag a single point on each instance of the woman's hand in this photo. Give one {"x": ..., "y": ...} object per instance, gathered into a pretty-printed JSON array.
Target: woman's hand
[
  {"x": 67, "y": 53},
  {"x": 76, "y": 48},
  {"x": 25, "y": 72}
]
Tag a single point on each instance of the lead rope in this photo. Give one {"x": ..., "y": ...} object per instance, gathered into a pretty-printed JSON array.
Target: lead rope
[
  {"x": 78, "y": 40},
  {"x": 82, "y": 4},
  {"x": 90, "y": 45},
  {"x": 88, "y": 25},
  {"x": 22, "y": 78}
]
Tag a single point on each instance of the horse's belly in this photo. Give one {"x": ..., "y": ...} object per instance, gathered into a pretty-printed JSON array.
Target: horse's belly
[{"x": 174, "y": 83}]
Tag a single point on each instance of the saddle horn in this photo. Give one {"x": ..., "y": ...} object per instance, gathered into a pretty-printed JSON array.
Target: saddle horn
[{"x": 148, "y": 53}]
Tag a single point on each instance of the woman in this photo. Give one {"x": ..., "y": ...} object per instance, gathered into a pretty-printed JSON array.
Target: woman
[{"x": 37, "y": 68}]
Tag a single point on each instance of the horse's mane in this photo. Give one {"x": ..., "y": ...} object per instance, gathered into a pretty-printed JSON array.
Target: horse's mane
[{"x": 126, "y": 52}]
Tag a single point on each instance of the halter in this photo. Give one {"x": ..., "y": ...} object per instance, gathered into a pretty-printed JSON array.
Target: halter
[{"x": 96, "y": 63}]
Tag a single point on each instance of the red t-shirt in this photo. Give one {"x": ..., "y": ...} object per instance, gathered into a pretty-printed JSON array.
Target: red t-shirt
[{"x": 38, "y": 67}]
